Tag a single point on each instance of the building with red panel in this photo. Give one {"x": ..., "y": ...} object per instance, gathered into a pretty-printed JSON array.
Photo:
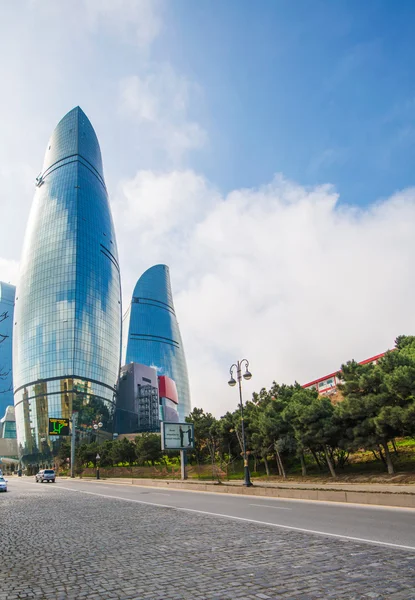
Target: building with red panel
[
  {"x": 327, "y": 385},
  {"x": 137, "y": 400},
  {"x": 169, "y": 401},
  {"x": 144, "y": 399}
]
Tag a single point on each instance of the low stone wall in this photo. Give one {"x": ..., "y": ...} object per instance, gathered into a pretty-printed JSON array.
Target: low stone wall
[{"x": 154, "y": 472}]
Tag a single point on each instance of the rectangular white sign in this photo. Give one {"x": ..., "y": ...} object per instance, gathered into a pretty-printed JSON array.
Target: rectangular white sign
[{"x": 177, "y": 436}]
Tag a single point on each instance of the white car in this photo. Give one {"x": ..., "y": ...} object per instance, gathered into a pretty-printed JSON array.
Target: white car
[
  {"x": 45, "y": 475},
  {"x": 3, "y": 484}
]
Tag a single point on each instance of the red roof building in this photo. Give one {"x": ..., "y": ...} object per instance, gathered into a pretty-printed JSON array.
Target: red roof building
[{"x": 327, "y": 385}]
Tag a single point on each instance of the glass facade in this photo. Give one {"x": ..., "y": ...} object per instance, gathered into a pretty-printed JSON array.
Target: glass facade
[
  {"x": 151, "y": 332},
  {"x": 67, "y": 323},
  {"x": 8, "y": 424},
  {"x": 7, "y": 294}
]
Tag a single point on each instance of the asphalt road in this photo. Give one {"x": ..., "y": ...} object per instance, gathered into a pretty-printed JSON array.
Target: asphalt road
[
  {"x": 74, "y": 539},
  {"x": 393, "y": 527}
]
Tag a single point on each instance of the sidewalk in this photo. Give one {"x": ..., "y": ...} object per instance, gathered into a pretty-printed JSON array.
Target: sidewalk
[{"x": 338, "y": 485}]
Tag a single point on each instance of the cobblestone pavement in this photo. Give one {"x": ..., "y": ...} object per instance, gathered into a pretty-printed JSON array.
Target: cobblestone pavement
[{"x": 57, "y": 544}]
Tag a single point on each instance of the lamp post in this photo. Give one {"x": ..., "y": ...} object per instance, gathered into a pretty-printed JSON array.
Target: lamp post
[
  {"x": 247, "y": 375},
  {"x": 97, "y": 459},
  {"x": 73, "y": 442}
]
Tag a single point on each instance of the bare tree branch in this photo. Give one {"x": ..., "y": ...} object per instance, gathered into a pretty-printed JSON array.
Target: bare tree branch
[
  {"x": 4, "y": 374},
  {"x": 10, "y": 389}
]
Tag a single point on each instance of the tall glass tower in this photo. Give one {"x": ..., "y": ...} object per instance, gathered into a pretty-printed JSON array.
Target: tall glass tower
[
  {"x": 66, "y": 352},
  {"x": 7, "y": 293},
  {"x": 152, "y": 336}
]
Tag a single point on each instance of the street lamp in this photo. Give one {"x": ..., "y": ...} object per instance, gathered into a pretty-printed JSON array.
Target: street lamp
[
  {"x": 97, "y": 461},
  {"x": 97, "y": 427},
  {"x": 232, "y": 382}
]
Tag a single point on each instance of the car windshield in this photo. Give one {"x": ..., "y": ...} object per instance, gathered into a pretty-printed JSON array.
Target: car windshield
[
  {"x": 2, "y": 479},
  {"x": 49, "y": 472}
]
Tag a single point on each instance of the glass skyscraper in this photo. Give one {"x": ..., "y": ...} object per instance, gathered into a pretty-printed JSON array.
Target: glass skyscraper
[
  {"x": 7, "y": 293},
  {"x": 151, "y": 332},
  {"x": 67, "y": 324}
]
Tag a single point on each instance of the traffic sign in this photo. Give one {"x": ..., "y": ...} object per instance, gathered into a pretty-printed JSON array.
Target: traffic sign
[{"x": 58, "y": 426}]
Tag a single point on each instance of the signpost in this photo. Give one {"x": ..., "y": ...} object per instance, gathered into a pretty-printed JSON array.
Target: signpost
[
  {"x": 97, "y": 459},
  {"x": 178, "y": 436},
  {"x": 58, "y": 426}
]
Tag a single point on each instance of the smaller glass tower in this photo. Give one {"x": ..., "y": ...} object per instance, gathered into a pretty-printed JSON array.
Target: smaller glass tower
[{"x": 152, "y": 335}]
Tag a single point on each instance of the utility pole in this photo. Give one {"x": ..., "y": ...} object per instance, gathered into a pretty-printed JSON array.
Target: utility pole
[
  {"x": 73, "y": 440},
  {"x": 183, "y": 462}
]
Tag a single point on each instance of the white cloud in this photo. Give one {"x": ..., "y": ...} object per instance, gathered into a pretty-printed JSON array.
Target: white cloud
[
  {"x": 158, "y": 102},
  {"x": 9, "y": 270},
  {"x": 139, "y": 20},
  {"x": 280, "y": 275},
  {"x": 102, "y": 39},
  {"x": 162, "y": 206}
]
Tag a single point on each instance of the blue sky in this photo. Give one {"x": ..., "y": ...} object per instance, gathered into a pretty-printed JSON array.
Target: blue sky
[
  {"x": 321, "y": 91},
  {"x": 263, "y": 150}
]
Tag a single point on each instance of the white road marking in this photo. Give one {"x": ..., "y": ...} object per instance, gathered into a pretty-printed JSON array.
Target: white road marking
[
  {"x": 116, "y": 497},
  {"x": 212, "y": 514},
  {"x": 271, "y": 506}
]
